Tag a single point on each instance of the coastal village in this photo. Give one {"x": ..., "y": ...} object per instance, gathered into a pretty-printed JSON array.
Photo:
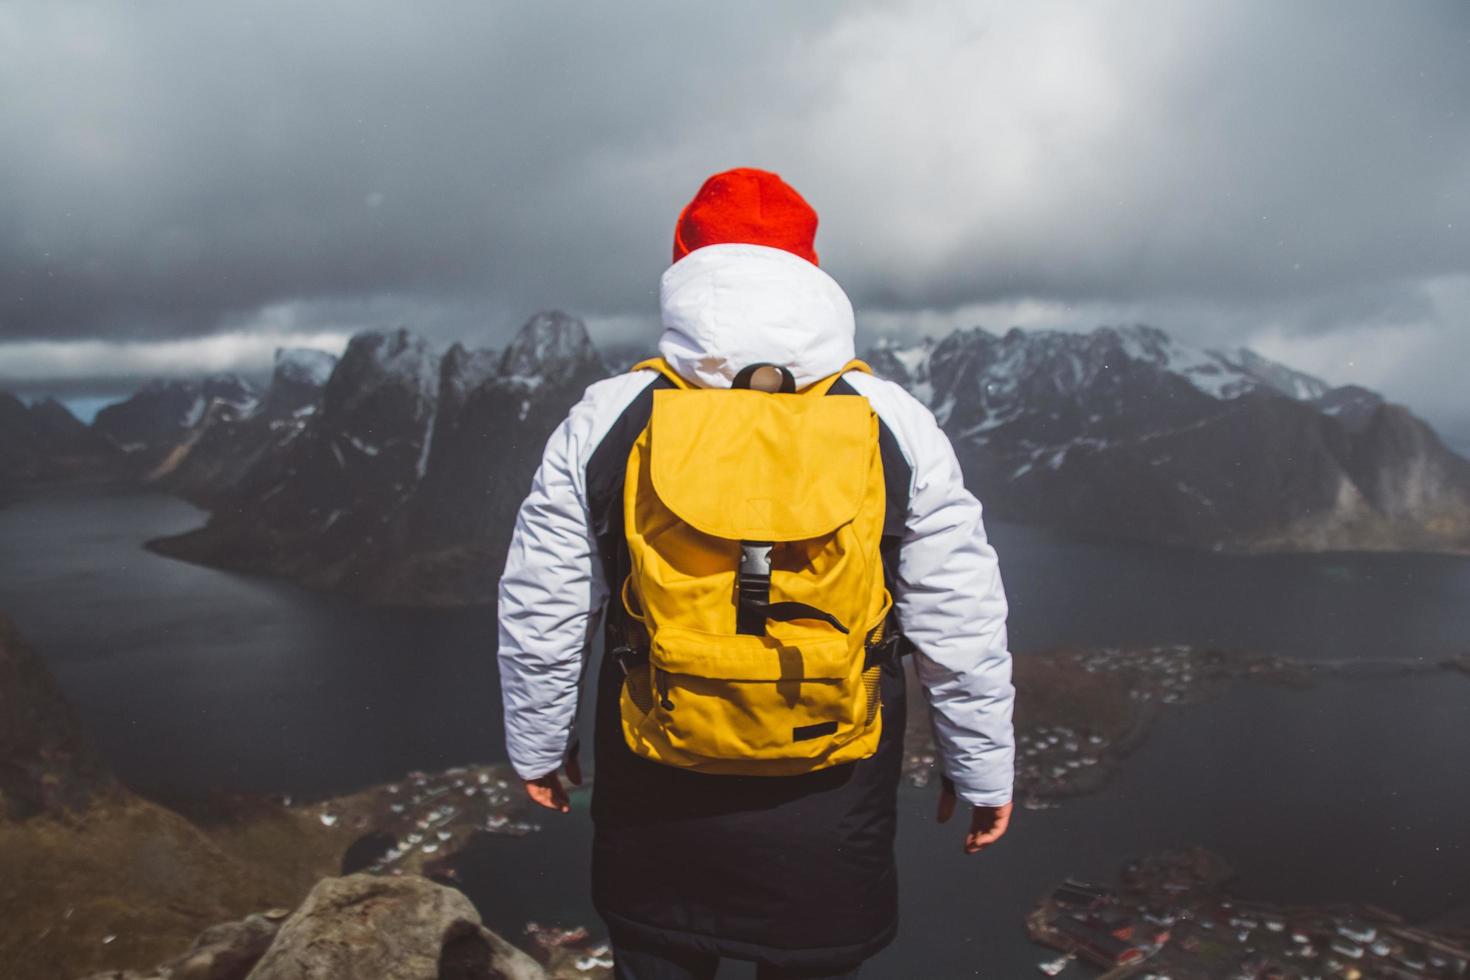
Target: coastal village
[
  {"x": 1079, "y": 712},
  {"x": 419, "y": 821},
  {"x": 1170, "y": 918}
]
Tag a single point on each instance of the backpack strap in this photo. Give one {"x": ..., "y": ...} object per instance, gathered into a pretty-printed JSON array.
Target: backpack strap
[
  {"x": 662, "y": 367},
  {"x": 884, "y": 645},
  {"x": 822, "y": 386}
]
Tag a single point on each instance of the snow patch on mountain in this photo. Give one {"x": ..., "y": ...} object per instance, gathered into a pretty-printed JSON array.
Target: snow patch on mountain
[
  {"x": 1070, "y": 361},
  {"x": 1219, "y": 373},
  {"x": 304, "y": 365},
  {"x": 908, "y": 365},
  {"x": 913, "y": 358},
  {"x": 1288, "y": 381},
  {"x": 230, "y": 389},
  {"x": 193, "y": 413},
  {"x": 362, "y": 446},
  {"x": 421, "y": 466}
]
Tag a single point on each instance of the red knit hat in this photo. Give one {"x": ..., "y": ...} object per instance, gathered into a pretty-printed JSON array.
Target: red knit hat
[{"x": 755, "y": 207}]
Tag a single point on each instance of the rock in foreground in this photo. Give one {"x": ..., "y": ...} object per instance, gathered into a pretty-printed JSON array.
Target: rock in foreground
[
  {"x": 394, "y": 928},
  {"x": 352, "y": 928}
]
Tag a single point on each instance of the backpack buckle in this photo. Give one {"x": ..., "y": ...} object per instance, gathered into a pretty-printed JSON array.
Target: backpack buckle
[
  {"x": 755, "y": 561},
  {"x": 885, "y": 651},
  {"x": 753, "y": 592}
]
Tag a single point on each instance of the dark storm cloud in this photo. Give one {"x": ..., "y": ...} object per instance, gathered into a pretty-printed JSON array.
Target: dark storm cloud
[
  {"x": 173, "y": 165},
  {"x": 1236, "y": 172}
]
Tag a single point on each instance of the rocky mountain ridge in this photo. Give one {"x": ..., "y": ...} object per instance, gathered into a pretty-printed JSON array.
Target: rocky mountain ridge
[
  {"x": 164, "y": 411},
  {"x": 1125, "y": 433},
  {"x": 394, "y": 473},
  {"x": 204, "y": 462},
  {"x": 401, "y": 487}
]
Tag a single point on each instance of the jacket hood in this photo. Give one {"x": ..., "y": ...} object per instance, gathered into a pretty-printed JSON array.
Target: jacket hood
[{"x": 729, "y": 305}]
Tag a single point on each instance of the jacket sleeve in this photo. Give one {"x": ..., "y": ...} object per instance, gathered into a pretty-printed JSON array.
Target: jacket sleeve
[
  {"x": 952, "y": 606},
  {"x": 550, "y": 586}
]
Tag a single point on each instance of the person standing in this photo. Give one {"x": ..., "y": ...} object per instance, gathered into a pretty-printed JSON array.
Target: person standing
[{"x": 697, "y": 859}]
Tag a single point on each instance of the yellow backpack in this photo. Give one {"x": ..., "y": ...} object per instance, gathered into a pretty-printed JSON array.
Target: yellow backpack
[{"x": 753, "y": 521}]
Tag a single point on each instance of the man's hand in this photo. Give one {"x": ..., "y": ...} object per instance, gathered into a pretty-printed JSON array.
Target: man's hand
[
  {"x": 548, "y": 791},
  {"x": 987, "y": 823}
]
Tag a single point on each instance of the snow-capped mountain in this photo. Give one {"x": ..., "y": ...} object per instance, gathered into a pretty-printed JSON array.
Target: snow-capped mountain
[
  {"x": 297, "y": 380},
  {"x": 1125, "y": 432},
  {"x": 489, "y": 436},
  {"x": 149, "y": 425},
  {"x": 549, "y": 348},
  {"x": 210, "y": 461},
  {"x": 1010, "y": 368},
  {"x": 400, "y": 481},
  {"x": 402, "y": 486},
  {"x": 320, "y": 493}
]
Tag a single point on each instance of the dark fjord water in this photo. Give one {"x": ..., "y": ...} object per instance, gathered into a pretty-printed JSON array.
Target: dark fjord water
[{"x": 193, "y": 679}]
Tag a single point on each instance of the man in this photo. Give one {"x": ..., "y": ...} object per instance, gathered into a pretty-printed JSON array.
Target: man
[{"x": 795, "y": 873}]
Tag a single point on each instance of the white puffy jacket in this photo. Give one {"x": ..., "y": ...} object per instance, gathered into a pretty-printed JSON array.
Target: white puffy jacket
[{"x": 723, "y": 307}]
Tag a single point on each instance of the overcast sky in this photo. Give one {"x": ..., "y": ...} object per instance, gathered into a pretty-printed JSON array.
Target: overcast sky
[{"x": 189, "y": 185}]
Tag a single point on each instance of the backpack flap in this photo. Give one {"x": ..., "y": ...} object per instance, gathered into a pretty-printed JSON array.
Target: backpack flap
[{"x": 764, "y": 467}]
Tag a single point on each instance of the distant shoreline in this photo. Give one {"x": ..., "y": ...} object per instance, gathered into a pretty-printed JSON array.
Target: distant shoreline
[{"x": 1081, "y": 712}]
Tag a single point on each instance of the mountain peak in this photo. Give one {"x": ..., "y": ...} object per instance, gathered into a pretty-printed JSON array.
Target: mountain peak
[
  {"x": 303, "y": 365},
  {"x": 297, "y": 381},
  {"x": 53, "y": 412},
  {"x": 231, "y": 388},
  {"x": 550, "y": 345},
  {"x": 375, "y": 359}
]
